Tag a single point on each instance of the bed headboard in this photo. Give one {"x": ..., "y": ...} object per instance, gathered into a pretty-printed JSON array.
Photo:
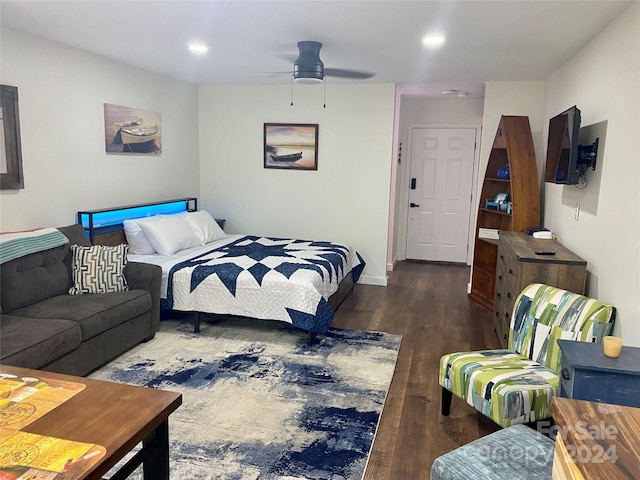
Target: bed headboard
[{"x": 105, "y": 226}]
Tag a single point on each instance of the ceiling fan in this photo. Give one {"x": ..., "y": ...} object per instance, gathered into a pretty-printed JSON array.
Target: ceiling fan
[{"x": 308, "y": 68}]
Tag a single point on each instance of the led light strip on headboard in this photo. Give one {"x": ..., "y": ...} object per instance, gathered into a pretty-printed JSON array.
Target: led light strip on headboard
[{"x": 106, "y": 220}]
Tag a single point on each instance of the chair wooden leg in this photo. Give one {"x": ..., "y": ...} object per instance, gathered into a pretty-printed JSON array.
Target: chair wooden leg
[{"x": 445, "y": 406}]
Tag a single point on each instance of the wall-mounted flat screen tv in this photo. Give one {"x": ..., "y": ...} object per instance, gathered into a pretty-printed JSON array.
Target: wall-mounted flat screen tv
[{"x": 562, "y": 148}]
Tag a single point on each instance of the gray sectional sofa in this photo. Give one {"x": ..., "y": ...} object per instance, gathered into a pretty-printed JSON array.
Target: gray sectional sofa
[{"x": 43, "y": 327}]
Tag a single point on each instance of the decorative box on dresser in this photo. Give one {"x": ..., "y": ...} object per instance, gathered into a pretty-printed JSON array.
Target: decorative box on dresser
[
  {"x": 513, "y": 148},
  {"x": 518, "y": 265}
]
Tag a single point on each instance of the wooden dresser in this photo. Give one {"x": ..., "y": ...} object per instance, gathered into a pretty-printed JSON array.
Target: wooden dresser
[{"x": 518, "y": 266}]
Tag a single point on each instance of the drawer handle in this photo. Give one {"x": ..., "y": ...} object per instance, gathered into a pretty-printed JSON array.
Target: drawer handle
[
  {"x": 565, "y": 374},
  {"x": 499, "y": 277},
  {"x": 499, "y": 295},
  {"x": 509, "y": 295},
  {"x": 510, "y": 272},
  {"x": 498, "y": 314},
  {"x": 505, "y": 336},
  {"x": 501, "y": 257},
  {"x": 506, "y": 315}
]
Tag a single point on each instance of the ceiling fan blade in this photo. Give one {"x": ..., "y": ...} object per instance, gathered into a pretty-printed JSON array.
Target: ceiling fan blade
[
  {"x": 288, "y": 58},
  {"x": 272, "y": 74},
  {"x": 347, "y": 73}
]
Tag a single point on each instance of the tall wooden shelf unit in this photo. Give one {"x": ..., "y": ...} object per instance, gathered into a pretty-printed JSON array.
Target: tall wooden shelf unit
[{"x": 513, "y": 146}]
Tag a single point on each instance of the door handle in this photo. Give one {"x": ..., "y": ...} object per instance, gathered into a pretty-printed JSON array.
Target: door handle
[{"x": 413, "y": 205}]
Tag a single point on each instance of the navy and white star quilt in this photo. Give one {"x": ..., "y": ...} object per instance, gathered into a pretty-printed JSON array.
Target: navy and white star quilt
[{"x": 267, "y": 278}]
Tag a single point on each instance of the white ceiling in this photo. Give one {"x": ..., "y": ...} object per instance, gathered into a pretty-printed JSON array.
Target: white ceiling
[{"x": 485, "y": 40}]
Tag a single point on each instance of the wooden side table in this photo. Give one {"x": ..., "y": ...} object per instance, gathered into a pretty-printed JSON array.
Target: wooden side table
[{"x": 586, "y": 374}]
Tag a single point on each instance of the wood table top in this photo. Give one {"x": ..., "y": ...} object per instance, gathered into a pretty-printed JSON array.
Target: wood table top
[
  {"x": 602, "y": 439},
  {"x": 114, "y": 415}
]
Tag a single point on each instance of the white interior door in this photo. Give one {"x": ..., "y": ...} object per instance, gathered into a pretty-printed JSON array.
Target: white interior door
[{"x": 440, "y": 193}]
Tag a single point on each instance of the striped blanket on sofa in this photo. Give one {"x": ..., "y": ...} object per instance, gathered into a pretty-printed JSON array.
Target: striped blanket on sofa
[{"x": 18, "y": 244}]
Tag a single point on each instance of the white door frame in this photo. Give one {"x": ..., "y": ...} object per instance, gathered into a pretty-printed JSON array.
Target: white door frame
[{"x": 403, "y": 221}]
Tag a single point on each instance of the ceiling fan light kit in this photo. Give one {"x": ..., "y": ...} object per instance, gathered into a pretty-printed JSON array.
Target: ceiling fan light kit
[
  {"x": 307, "y": 80},
  {"x": 308, "y": 68}
]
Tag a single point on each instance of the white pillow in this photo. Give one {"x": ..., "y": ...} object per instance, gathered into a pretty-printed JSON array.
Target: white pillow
[
  {"x": 136, "y": 238},
  {"x": 169, "y": 233},
  {"x": 204, "y": 226}
]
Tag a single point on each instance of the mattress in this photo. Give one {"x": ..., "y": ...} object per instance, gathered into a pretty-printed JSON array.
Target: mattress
[{"x": 289, "y": 280}]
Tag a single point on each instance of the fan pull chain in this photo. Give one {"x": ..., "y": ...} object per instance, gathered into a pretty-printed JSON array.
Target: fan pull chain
[
  {"x": 292, "y": 90},
  {"x": 324, "y": 98}
]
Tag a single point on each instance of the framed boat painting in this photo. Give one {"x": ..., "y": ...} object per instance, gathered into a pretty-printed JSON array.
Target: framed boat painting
[
  {"x": 131, "y": 130},
  {"x": 292, "y": 146}
]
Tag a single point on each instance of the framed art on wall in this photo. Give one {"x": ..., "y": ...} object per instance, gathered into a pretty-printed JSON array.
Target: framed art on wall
[
  {"x": 291, "y": 145},
  {"x": 11, "y": 177},
  {"x": 132, "y": 130}
]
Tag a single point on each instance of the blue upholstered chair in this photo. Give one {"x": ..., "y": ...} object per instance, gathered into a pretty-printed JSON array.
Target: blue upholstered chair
[
  {"x": 517, "y": 452},
  {"x": 516, "y": 385}
]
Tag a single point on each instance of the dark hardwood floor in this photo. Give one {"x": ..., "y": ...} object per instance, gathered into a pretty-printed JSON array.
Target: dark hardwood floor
[{"x": 428, "y": 305}]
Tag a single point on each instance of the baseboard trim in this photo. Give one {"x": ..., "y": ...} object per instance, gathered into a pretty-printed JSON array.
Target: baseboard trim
[{"x": 370, "y": 280}]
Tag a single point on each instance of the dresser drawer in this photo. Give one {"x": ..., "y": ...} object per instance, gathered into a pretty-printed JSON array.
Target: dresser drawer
[
  {"x": 484, "y": 284},
  {"x": 506, "y": 291},
  {"x": 502, "y": 315},
  {"x": 509, "y": 266}
]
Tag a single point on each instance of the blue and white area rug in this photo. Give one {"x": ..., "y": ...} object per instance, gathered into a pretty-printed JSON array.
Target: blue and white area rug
[{"x": 260, "y": 403}]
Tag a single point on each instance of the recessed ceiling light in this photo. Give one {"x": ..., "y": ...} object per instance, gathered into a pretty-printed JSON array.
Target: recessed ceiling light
[
  {"x": 433, "y": 41},
  {"x": 198, "y": 48}
]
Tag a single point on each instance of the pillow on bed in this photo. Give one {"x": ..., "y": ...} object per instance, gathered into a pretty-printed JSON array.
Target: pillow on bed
[
  {"x": 169, "y": 233},
  {"x": 136, "y": 238},
  {"x": 204, "y": 226},
  {"x": 98, "y": 269}
]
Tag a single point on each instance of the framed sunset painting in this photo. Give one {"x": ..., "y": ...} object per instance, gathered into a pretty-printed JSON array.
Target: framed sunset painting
[{"x": 291, "y": 146}]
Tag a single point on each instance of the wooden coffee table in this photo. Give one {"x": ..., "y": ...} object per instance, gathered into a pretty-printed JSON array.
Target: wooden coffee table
[
  {"x": 115, "y": 416},
  {"x": 595, "y": 440}
]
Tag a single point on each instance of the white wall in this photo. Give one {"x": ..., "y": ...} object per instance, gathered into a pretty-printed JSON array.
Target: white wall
[
  {"x": 346, "y": 200},
  {"x": 603, "y": 80},
  {"x": 61, "y": 95}
]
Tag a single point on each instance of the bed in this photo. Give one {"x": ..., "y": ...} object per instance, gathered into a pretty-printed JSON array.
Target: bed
[{"x": 301, "y": 282}]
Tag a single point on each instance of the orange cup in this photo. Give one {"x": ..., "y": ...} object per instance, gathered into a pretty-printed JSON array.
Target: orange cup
[{"x": 612, "y": 346}]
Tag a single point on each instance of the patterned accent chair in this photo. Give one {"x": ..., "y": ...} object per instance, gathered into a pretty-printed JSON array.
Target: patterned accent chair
[{"x": 516, "y": 385}]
